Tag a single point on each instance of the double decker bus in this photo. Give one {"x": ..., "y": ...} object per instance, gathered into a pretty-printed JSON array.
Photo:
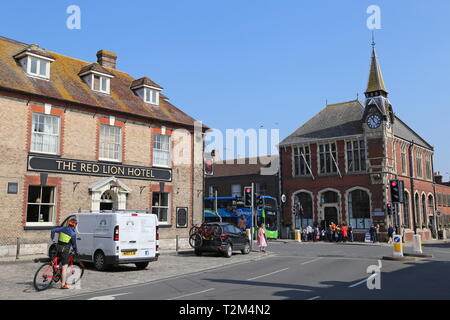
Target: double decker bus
[{"x": 232, "y": 210}]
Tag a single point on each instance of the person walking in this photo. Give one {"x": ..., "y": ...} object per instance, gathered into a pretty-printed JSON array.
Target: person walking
[
  {"x": 333, "y": 232},
  {"x": 344, "y": 233},
  {"x": 373, "y": 233},
  {"x": 390, "y": 234},
  {"x": 262, "y": 238},
  {"x": 350, "y": 232},
  {"x": 377, "y": 232}
]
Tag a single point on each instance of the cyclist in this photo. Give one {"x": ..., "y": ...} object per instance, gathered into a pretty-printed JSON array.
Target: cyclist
[{"x": 67, "y": 239}]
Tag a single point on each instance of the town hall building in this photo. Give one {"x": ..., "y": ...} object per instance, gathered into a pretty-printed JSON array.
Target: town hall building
[{"x": 337, "y": 167}]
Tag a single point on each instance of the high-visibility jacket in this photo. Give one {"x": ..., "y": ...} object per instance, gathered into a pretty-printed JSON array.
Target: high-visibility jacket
[{"x": 67, "y": 236}]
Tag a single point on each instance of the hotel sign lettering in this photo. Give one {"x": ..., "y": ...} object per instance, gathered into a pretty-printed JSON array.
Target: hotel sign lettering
[{"x": 68, "y": 166}]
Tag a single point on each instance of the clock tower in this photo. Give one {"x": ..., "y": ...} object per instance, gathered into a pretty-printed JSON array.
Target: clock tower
[{"x": 377, "y": 122}]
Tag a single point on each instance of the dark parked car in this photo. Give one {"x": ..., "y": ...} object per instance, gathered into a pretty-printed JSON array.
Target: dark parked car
[{"x": 225, "y": 239}]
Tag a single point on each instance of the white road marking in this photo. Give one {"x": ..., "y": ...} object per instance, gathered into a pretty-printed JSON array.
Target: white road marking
[
  {"x": 191, "y": 294},
  {"x": 111, "y": 297},
  {"x": 310, "y": 261},
  {"x": 362, "y": 281},
  {"x": 314, "y": 298},
  {"x": 269, "y": 274}
]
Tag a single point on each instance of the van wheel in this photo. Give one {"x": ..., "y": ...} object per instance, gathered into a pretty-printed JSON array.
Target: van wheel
[
  {"x": 100, "y": 261},
  {"x": 229, "y": 252},
  {"x": 52, "y": 252},
  {"x": 141, "y": 265}
]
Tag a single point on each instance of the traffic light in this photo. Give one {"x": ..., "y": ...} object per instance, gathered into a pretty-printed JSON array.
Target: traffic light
[
  {"x": 390, "y": 209},
  {"x": 258, "y": 201},
  {"x": 209, "y": 166},
  {"x": 397, "y": 191},
  {"x": 248, "y": 193}
]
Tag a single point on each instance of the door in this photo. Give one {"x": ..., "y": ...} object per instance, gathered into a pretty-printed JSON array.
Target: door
[
  {"x": 331, "y": 215},
  {"x": 85, "y": 235}
]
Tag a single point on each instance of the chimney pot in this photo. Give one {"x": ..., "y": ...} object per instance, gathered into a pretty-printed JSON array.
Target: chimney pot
[{"x": 107, "y": 59}]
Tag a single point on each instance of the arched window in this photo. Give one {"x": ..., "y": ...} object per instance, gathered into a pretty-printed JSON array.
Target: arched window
[
  {"x": 330, "y": 197},
  {"x": 430, "y": 205},
  {"x": 424, "y": 211},
  {"x": 417, "y": 210},
  {"x": 306, "y": 202},
  {"x": 406, "y": 217},
  {"x": 359, "y": 209}
]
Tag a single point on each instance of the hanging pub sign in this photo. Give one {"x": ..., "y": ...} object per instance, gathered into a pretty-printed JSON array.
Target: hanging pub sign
[{"x": 89, "y": 168}]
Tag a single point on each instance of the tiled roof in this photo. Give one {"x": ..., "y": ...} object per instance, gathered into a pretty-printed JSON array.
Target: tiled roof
[
  {"x": 403, "y": 131},
  {"x": 145, "y": 82},
  {"x": 94, "y": 67},
  {"x": 336, "y": 120},
  {"x": 66, "y": 85}
]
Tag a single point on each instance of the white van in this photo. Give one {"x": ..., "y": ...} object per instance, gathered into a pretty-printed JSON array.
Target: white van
[{"x": 111, "y": 238}]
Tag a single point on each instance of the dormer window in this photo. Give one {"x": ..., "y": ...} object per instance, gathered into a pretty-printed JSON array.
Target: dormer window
[
  {"x": 35, "y": 61},
  {"x": 97, "y": 78},
  {"x": 100, "y": 83},
  {"x": 147, "y": 90},
  {"x": 151, "y": 96}
]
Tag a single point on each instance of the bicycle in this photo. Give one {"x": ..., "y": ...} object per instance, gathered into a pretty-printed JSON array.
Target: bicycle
[
  {"x": 51, "y": 271},
  {"x": 203, "y": 232}
]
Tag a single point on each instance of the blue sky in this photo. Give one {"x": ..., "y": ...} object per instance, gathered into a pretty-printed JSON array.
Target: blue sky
[{"x": 247, "y": 64}]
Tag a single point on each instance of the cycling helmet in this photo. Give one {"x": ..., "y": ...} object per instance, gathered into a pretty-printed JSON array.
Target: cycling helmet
[{"x": 73, "y": 223}]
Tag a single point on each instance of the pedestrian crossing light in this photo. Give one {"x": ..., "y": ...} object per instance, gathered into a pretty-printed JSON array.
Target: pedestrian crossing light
[
  {"x": 209, "y": 167},
  {"x": 390, "y": 209}
]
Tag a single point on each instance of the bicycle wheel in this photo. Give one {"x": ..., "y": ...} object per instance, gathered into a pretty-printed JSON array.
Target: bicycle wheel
[
  {"x": 44, "y": 277},
  {"x": 195, "y": 240},
  {"x": 193, "y": 230},
  {"x": 74, "y": 273}
]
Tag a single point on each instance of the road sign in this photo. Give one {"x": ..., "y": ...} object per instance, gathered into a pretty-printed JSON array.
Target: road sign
[
  {"x": 398, "y": 246},
  {"x": 368, "y": 238}
]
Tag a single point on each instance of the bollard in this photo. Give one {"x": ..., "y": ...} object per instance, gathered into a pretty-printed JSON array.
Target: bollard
[
  {"x": 417, "y": 244},
  {"x": 249, "y": 234},
  {"x": 177, "y": 243},
  {"x": 398, "y": 246},
  {"x": 17, "y": 248},
  {"x": 298, "y": 236}
]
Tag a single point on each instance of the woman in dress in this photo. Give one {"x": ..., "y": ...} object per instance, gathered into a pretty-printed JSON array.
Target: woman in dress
[{"x": 262, "y": 239}]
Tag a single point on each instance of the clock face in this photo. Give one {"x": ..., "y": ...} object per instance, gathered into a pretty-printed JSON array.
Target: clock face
[{"x": 374, "y": 121}]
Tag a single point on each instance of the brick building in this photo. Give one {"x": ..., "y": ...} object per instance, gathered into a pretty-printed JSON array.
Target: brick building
[
  {"x": 339, "y": 163},
  {"x": 230, "y": 178},
  {"x": 81, "y": 136}
]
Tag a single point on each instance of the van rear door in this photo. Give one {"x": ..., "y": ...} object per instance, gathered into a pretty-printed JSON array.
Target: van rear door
[{"x": 137, "y": 235}]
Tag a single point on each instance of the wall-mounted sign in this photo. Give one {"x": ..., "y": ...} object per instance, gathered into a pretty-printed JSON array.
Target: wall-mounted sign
[{"x": 89, "y": 168}]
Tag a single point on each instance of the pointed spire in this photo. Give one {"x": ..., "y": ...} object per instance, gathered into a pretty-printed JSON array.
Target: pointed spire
[{"x": 375, "y": 82}]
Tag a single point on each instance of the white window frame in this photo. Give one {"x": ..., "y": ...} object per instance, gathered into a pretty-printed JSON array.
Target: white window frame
[
  {"x": 358, "y": 150},
  {"x": 101, "y": 149},
  {"x": 334, "y": 161},
  {"x": 419, "y": 163},
  {"x": 39, "y": 61},
  {"x": 162, "y": 207},
  {"x": 101, "y": 79},
  {"x": 151, "y": 96},
  {"x": 33, "y": 133},
  {"x": 404, "y": 159},
  {"x": 51, "y": 221},
  {"x": 304, "y": 158},
  {"x": 169, "y": 151}
]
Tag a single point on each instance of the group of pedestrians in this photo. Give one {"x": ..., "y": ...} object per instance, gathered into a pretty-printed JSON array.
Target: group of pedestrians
[{"x": 332, "y": 233}]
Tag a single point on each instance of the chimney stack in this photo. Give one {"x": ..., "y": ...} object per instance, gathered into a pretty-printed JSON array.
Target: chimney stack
[{"x": 107, "y": 59}]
